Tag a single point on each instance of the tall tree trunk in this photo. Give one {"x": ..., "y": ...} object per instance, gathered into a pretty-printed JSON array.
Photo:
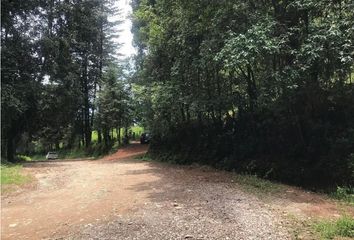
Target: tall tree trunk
[
  {"x": 251, "y": 88},
  {"x": 82, "y": 128},
  {"x": 118, "y": 135},
  {"x": 99, "y": 139},
  {"x": 106, "y": 140},
  {"x": 99, "y": 136},
  {"x": 10, "y": 148},
  {"x": 86, "y": 104}
]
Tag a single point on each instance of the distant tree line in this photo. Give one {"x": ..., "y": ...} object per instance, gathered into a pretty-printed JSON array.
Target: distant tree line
[
  {"x": 263, "y": 87},
  {"x": 58, "y": 68}
]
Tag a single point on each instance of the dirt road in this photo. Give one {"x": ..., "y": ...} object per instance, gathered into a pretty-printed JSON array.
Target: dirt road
[{"x": 120, "y": 197}]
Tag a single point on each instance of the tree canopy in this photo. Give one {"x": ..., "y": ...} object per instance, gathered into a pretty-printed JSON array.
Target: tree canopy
[
  {"x": 55, "y": 59},
  {"x": 260, "y": 86}
]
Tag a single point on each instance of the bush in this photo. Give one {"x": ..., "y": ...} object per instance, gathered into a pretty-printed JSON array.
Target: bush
[
  {"x": 345, "y": 194},
  {"x": 23, "y": 158}
]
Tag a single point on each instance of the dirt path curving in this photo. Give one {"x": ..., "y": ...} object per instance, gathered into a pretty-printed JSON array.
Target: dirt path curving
[{"x": 119, "y": 197}]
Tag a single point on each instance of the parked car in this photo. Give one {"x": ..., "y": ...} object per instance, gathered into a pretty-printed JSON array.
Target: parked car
[
  {"x": 52, "y": 155},
  {"x": 145, "y": 138}
]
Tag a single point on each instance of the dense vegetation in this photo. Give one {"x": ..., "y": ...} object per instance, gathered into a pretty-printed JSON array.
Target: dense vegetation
[
  {"x": 263, "y": 87},
  {"x": 60, "y": 78}
]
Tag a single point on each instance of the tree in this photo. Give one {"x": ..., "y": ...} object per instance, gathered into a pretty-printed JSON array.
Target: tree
[
  {"x": 19, "y": 79},
  {"x": 251, "y": 85},
  {"x": 54, "y": 54},
  {"x": 113, "y": 104}
]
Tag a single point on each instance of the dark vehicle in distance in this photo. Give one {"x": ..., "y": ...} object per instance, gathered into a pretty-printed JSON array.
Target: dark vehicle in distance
[{"x": 145, "y": 138}]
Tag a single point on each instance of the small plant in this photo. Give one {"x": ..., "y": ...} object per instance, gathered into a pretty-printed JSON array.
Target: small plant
[
  {"x": 344, "y": 194},
  {"x": 343, "y": 227}
]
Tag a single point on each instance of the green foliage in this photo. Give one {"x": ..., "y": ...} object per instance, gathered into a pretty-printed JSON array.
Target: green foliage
[
  {"x": 54, "y": 55},
  {"x": 113, "y": 101},
  {"x": 259, "y": 87},
  {"x": 38, "y": 157},
  {"x": 114, "y": 105},
  {"x": 345, "y": 194},
  {"x": 23, "y": 158},
  {"x": 343, "y": 227}
]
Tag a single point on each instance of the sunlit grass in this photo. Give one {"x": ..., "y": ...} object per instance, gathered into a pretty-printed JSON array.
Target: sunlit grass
[
  {"x": 135, "y": 129},
  {"x": 343, "y": 227},
  {"x": 255, "y": 184},
  {"x": 12, "y": 174}
]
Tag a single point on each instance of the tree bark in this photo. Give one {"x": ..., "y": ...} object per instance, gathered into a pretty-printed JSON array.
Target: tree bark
[
  {"x": 118, "y": 134},
  {"x": 10, "y": 148},
  {"x": 99, "y": 136},
  {"x": 87, "y": 124}
]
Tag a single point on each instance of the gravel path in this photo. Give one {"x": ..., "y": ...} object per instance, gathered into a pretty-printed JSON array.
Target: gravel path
[
  {"x": 181, "y": 205},
  {"x": 120, "y": 197}
]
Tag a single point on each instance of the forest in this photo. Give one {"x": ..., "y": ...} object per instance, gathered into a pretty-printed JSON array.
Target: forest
[
  {"x": 257, "y": 87},
  {"x": 62, "y": 77}
]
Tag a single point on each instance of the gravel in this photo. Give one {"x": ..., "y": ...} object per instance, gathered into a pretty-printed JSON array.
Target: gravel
[{"x": 191, "y": 203}]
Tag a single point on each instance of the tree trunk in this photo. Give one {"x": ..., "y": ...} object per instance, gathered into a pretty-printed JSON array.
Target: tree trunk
[
  {"x": 118, "y": 135},
  {"x": 99, "y": 136},
  {"x": 10, "y": 148},
  {"x": 106, "y": 137},
  {"x": 86, "y": 105}
]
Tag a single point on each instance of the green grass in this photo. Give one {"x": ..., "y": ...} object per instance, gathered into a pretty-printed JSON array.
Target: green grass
[
  {"x": 345, "y": 194},
  {"x": 254, "y": 184},
  {"x": 12, "y": 174},
  {"x": 343, "y": 227}
]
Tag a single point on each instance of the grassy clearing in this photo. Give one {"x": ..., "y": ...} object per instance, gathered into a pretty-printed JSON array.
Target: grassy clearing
[
  {"x": 12, "y": 174},
  {"x": 343, "y": 227}
]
